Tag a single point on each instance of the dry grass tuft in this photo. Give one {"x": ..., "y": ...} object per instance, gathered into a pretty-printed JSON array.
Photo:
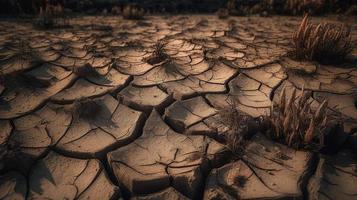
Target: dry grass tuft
[
  {"x": 294, "y": 123},
  {"x": 159, "y": 54},
  {"x": 232, "y": 119},
  {"x": 240, "y": 127},
  {"x": 133, "y": 12},
  {"x": 325, "y": 42}
]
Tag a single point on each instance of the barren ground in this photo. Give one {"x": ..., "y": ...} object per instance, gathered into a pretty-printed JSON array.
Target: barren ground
[{"x": 157, "y": 135}]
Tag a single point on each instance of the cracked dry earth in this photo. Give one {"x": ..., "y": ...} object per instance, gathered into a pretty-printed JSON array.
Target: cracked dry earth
[{"x": 157, "y": 135}]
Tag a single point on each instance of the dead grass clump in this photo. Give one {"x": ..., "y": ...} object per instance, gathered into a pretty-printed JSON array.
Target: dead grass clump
[
  {"x": 294, "y": 123},
  {"x": 240, "y": 127},
  {"x": 159, "y": 54},
  {"x": 133, "y": 12},
  {"x": 86, "y": 109},
  {"x": 325, "y": 42},
  {"x": 222, "y": 13}
]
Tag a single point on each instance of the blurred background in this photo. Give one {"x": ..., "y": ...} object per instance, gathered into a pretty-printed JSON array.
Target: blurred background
[{"x": 234, "y": 7}]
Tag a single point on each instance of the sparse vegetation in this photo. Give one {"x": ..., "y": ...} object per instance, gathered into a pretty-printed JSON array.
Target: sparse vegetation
[
  {"x": 240, "y": 127},
  {"x": 325, "y": 42},
  {"x": 159, "y": 54},
  {"x": 294, "y": 122},
  {"x": 133, "y": 12}
]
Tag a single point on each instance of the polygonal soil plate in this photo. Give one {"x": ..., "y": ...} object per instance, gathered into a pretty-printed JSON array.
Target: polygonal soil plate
[{"x": 161, "y": 158}]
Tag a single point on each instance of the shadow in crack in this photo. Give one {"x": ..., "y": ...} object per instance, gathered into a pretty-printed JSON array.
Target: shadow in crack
[
  {"x": 104, "y": 118},
  {"x": 42, "y": 172},
  {"x": 14, "y": 157},
  {"x": 93, "y": 111}
]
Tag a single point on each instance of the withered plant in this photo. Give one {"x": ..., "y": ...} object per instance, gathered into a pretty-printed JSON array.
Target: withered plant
[
  {"x": 295, "y": 123},
  {"x": 325, "y": 42},
  {"x": 240, "y": 127},
  {"x": 232, "y": 119},
  {"x": 133, "y": 12},
  {"x": 159, "y": 54}
]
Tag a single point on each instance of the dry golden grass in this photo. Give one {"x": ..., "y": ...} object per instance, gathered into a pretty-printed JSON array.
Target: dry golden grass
[
  {"x": 325, "y": 42},
  {"x": 294, "y": 122}
]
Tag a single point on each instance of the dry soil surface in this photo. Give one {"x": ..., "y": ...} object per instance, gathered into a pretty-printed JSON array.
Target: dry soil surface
[{"x": 155, "y": 136}]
